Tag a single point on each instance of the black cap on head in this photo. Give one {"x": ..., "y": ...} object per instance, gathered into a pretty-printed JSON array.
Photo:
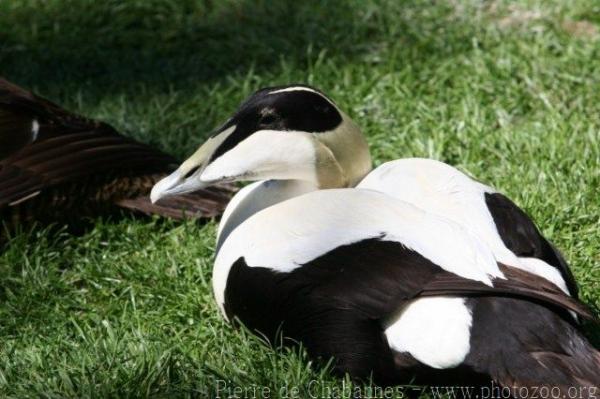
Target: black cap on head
[{"x": 282, "y": 108}]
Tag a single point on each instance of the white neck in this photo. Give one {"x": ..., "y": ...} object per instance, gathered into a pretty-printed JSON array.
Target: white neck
[
  {"x": 257, "y": 196},
  {"x": 343, "y": 160}
]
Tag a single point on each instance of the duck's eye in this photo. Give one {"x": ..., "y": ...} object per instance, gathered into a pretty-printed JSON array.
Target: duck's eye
[{"x": 268, "y": 119}]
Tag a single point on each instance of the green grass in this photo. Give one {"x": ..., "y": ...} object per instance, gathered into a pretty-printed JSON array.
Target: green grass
[{"x": 507, "y": 91}]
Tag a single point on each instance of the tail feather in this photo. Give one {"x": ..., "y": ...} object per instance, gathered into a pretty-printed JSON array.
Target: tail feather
[
  {"x": 566, "y": 376},
  {"x": 527, "y": 347}
]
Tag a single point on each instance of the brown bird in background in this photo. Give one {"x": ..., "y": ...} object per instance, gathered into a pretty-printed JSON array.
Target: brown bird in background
[{"x": 59, "y": 167}]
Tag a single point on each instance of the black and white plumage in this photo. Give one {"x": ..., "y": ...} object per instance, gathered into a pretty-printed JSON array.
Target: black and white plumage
[
  {"x": 407, "y": 270},
  {"x": 444, "y": 190}
]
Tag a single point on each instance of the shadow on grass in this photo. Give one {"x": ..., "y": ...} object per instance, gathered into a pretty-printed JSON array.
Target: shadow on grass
[{"x": 113, "y": 46}]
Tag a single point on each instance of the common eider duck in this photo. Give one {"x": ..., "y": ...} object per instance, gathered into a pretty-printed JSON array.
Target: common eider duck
[
  {"x": 412, "y": 272},
  {"x": 56, "y": 166}
]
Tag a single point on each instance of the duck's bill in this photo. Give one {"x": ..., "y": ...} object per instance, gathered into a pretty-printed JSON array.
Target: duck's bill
[
  {"x": 189, "y": 176},
  {"x": 175, "y": 184}
]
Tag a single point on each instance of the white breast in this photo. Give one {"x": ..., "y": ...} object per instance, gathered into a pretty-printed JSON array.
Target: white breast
[{"x": 256, "y": 197}]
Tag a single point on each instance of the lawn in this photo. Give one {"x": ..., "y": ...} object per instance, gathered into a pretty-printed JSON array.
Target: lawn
[{"x": 506, "y": 91}]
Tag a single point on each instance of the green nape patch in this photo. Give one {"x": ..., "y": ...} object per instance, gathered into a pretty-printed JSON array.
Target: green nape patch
[{"x": 504, "y": 90}]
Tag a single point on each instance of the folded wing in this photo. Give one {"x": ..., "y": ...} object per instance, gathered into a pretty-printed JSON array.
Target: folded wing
[{"x": 70, "y": 163}]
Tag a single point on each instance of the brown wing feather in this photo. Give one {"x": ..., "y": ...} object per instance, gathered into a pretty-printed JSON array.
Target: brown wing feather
[
  {"x": 53, "y": 120},
  {"x": 65, "y": 159},
  {"x": 206, "y": 203},
  {"x": 518, "y": 284},
  {"x": 85, "y": 160},
  {"x": 20, "y": 126}
]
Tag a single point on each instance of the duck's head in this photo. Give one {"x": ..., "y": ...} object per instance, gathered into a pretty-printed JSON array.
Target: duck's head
[{"x": 285, "y": 133}]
